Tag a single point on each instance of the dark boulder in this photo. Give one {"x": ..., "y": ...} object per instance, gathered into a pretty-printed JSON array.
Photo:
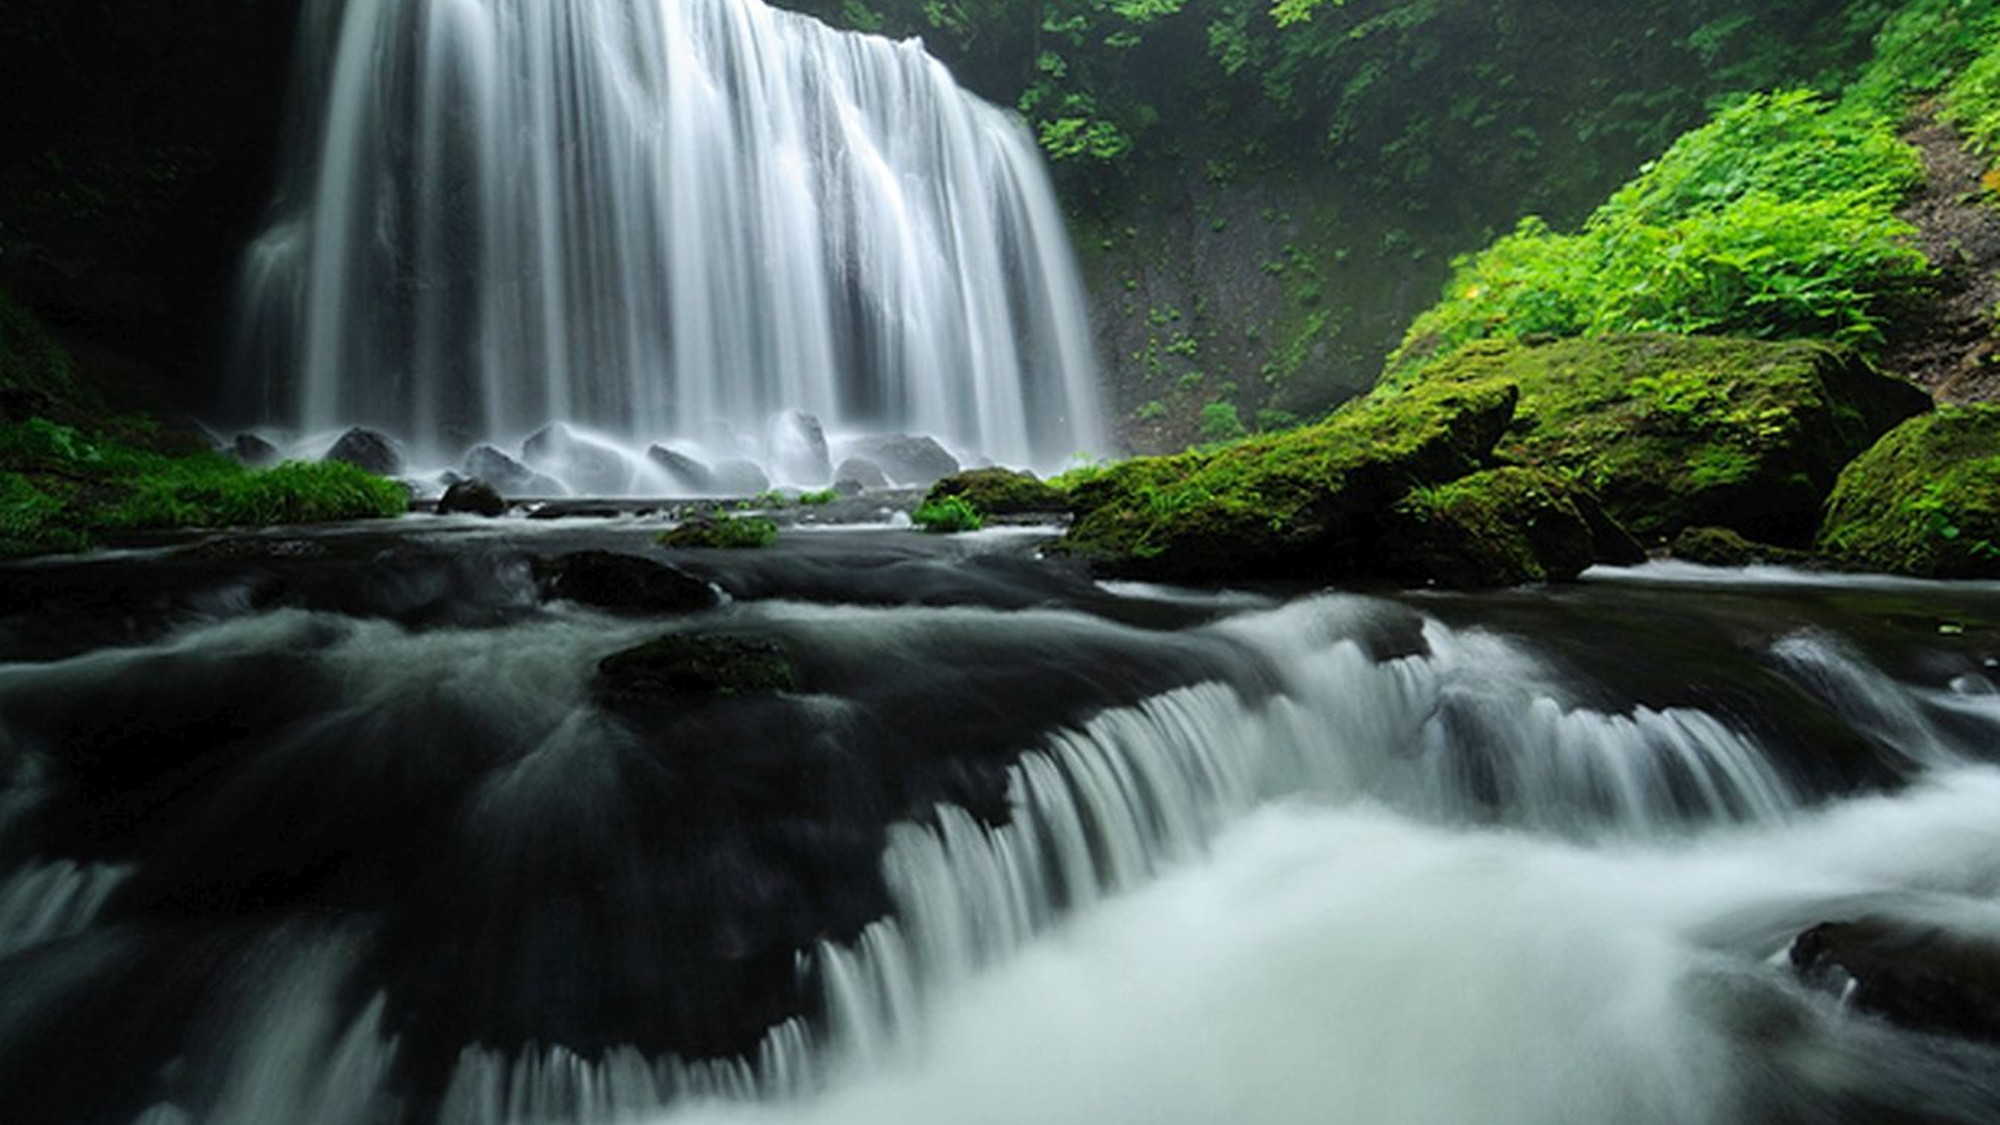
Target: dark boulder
[
  {"x": 1503, "y": 527},
  {"x": 626, "y": 583},
  {"x": 472, "y": 497},
  {"x": 695, "y": 666},
  {"x": 684, "y": 473},
  {"x": 1919, "y": 976},
  {"x": 367, "y": 450},
  {"x": 907, "y": 459},
  {"x": 509, "y": 476},
  {"x": 254, "y": 451},
  {"x": 1719, "y": 546}
]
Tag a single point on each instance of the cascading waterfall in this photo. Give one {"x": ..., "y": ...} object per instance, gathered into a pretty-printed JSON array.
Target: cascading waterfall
[{"x": 658, "y": 220}]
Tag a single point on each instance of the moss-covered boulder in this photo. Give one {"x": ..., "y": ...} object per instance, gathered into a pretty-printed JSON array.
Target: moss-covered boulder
[
  {"x": 1502, "y": 527},
  {"x": 682, "y": 666},
  {"x": 999, "y": 492},
  {"x": 723, "y": 532},
  {"x": 1719, "y": 546},
  {"x": 1673, "y": 432},
  {"x": 1925, "y": 501},
  {"x": 1297, "y": 504}
]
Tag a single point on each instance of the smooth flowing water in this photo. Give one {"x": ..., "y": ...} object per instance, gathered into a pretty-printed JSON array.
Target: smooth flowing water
[
  {"x": 346, "y": 829},
  {"x": 657, "y": 220}
]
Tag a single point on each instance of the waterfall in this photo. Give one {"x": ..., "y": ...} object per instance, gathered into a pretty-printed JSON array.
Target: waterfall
[{"x": 657, "y": 219}]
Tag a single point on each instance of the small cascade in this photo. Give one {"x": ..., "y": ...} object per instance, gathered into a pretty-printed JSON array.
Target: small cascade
[{"x": 659, "y": 221}]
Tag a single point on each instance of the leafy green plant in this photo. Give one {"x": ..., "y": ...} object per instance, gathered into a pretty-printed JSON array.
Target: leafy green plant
[
  {"x": 1221, "y": 422},
  {"x": 723, "y": 531},
  {"x": 819, "y": 499},
  {"x": 948, "y": 515}
]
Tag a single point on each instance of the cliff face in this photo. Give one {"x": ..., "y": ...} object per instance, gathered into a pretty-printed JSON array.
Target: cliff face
[{"x": 140, "y": 147}]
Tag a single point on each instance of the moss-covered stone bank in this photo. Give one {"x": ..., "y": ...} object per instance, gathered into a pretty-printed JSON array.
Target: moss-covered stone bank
[{"x": 1925, "y": 501}]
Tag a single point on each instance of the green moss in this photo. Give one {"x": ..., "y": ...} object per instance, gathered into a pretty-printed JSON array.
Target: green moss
[
  {"x": 37, "y": 377},
  {"x": 66, "y": 489},
  {"x": 722, "y": 532},
  {"x": 1502, "y": 527},
  {"x": 1719, "y": 546},
  {"x": 1288, "y": 503},
  {"x": 948, "y": 515},
  {"x": 1925, "y": 501},
  {"x": 999, "y": 492},
  {"x": 1674, "y": 432},
  {"x": 819, "y": 499}
]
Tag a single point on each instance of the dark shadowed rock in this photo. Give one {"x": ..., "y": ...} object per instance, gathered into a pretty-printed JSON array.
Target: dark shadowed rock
[
  {"x": 1920, "y": 976},
  {"x": 254, "y": 451},
  {"x": 588, "y": 467},
  {"x": 740, "y": 478},
  {"x": 625, "y": 583},
  {"x": 684, "y": 473},
  {"x": 368, "y": 451},
  {"x": 864, "y": 473},
  {"x": 1719, "y": 546},
  {"x": 509, "y": 476},
  {"x": 1503, "y": 527},
  {"x": 472, "y": 497},
  {"x": 798, "y": 442},
  {"x": 908, "y": 459},
  {"x": 695, "y": 665}
]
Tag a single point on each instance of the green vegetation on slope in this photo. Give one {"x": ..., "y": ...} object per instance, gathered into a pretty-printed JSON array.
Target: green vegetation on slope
[{"x": 62, "y": 489}]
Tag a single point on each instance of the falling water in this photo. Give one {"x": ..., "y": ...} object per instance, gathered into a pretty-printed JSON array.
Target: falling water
[{"x": 657, "y": 220}]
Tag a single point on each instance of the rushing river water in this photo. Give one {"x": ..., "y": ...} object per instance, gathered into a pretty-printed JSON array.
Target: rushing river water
[{"x": 341, "y": 827}]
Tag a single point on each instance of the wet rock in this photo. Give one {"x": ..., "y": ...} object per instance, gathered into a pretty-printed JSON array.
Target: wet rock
[
  {"x": 508, "y": 475},
  {"x": 1922, "y": 977},
  {"x": 254, "y": 451},
  {"x": 695, "y": 665},
  {"x": 472, "y": 497},
  {"x": 625, "y": 583},
  {"x": 862, "y": 473},
  {"x": 1719, "y": 546},
  {"x": 799, "y": 444},
  {"x": 722, "y": 531},
  {"x": 684, "y": 473},
  {"x": 367, "y": 450},
  {"x": 740, "y": 478},
  {"x": 908, "y": 459},
  {"x": 1504, "y": 527},
  {"x": 1924, "y": 501},
  {"x": 590, "y": 468}
]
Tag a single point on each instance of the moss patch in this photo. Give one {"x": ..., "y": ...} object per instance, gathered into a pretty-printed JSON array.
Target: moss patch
[
  {"x": 722, "y": 531},
  {"x": 1293, "y": 504},
  {"x": 1502, "y": 527},
  {"x": 1925, "y": 501},
  {"x": 1674, "y": 432},
  {"x": 999, "y": 492}
]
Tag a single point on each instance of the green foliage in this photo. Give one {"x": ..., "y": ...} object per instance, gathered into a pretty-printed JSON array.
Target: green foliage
[
  {"x": 998, "y": 492},
  {"x": 1775, "y": 220},
  {"x": 1220, "y": 422},
  {"x": 1925, "y": 501},
  {"x": 821, "y": 498},
  {"x": 722, "y": 532},
  {"x": 1973, "y": 101},
  {"x": 948, "y": 515},
  {"x": 1920, "y": 47},
  {"x": 63, "y": 489}
]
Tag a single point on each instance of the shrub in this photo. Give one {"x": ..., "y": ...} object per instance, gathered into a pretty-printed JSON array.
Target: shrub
[
  {"x": 819, "y": 499},
  {"x": 948, "y": 515},
  {"x": 1221, "y": 422}
]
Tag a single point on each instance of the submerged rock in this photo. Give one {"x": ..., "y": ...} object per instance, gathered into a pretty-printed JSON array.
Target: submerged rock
[
  {"x": 907, "y": 459},
  {"x": 740, "y": 478},
  {"x": 472, "y": 497},
  {"x": 1919, "y": 976},
  {"x": 1502, "y": 527},
  {"x": 862, "y": 472},
  {"x": 1672, "y": 432},
  {"x": 367, "y": 450},
  {"x": 587, "y": 467},
  {"x": 799, "y": 444},
  {"x": 999, "y": 492},
  {"x": 1925, "y": 501},
  {"x": 626, "y": 583},
  {"x": 695, "y": 665},
  {"x": 683, "y": 472}
]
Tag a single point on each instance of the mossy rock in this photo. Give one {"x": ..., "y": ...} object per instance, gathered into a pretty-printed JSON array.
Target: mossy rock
[
  {"x": 1719, "y": 546},
  {"x": 1672, "y": 432},
  {"x": 1503, "y": 527},
  {"x": 724, "y": 532},
  {"x": 999, "y": 492},
  {"x": 1295, "y": 504},
  {"x": 1925, "y": 501},
  {"x": 684, "y": 666}
]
